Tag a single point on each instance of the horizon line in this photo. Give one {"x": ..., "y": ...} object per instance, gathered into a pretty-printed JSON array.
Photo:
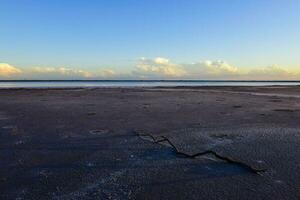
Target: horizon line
[{"x": 141, "y": 80}]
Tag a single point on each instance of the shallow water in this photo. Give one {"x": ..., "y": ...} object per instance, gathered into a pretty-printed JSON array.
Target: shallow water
[{"x": 133, "y": 83}]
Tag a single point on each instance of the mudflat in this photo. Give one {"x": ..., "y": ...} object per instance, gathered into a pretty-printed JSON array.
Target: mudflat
[{"x": 150, "y": 143}]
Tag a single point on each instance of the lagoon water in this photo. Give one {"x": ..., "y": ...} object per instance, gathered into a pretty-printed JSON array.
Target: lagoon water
[{"x": 136, "y": 83}]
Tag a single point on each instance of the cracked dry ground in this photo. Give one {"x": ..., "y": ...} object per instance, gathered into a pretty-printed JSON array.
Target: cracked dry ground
[{"x": 155, "y": 143}]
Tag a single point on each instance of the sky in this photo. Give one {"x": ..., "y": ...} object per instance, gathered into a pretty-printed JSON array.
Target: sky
[{"x": 150, "y": 39}]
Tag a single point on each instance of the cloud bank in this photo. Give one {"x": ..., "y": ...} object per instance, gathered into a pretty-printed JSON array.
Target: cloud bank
[
  {"x": 207, "y": 70},
  {"x": 7, "y": 70},
  {"x": 60, "y": 72},
  {"x": 157, "y": 68}
]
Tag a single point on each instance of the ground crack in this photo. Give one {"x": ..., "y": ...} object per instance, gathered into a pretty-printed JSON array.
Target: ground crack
[{"x": 227, "y": 159}]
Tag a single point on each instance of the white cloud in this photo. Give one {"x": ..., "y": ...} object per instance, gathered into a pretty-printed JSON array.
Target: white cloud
[
  {"x": 219, "y": 67},
  {"x": 217, "y": 70},
  {"x": 107, "y": 73},
  {"x": 7, "y": 70},
  {"x": 163, "y": 68},
  {"x": 157, "y": 68},
  {"x": 211, "y": 70},
  {"x": 67, "y": 73},
  {"x": 62, "y": 71},
  {"x": 43, "y": 73},
  {"x": 160, "y": 60},
  {"x": 273, "y": 72}
]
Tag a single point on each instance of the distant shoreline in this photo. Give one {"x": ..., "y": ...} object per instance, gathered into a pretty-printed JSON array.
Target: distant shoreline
[
  {"x": 5, "y": 84},
  {"x": 121, "y": 80}
]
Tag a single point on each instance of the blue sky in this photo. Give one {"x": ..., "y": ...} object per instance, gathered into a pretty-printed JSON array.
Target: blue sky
[{"x": 124, "y": 36}]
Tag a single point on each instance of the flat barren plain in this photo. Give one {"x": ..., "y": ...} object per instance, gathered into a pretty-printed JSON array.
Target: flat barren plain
[{"x": 150, "y": 143}]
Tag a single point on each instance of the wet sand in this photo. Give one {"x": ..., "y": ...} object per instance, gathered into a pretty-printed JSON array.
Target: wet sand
[{"x": 150, "y": 143}]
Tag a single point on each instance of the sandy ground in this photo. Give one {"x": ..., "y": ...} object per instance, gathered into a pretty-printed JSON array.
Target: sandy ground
[{"x": 146, "y": 143}]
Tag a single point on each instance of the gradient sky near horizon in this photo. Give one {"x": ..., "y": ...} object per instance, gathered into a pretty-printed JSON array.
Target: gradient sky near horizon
[{"x": 182, "y": 39}]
